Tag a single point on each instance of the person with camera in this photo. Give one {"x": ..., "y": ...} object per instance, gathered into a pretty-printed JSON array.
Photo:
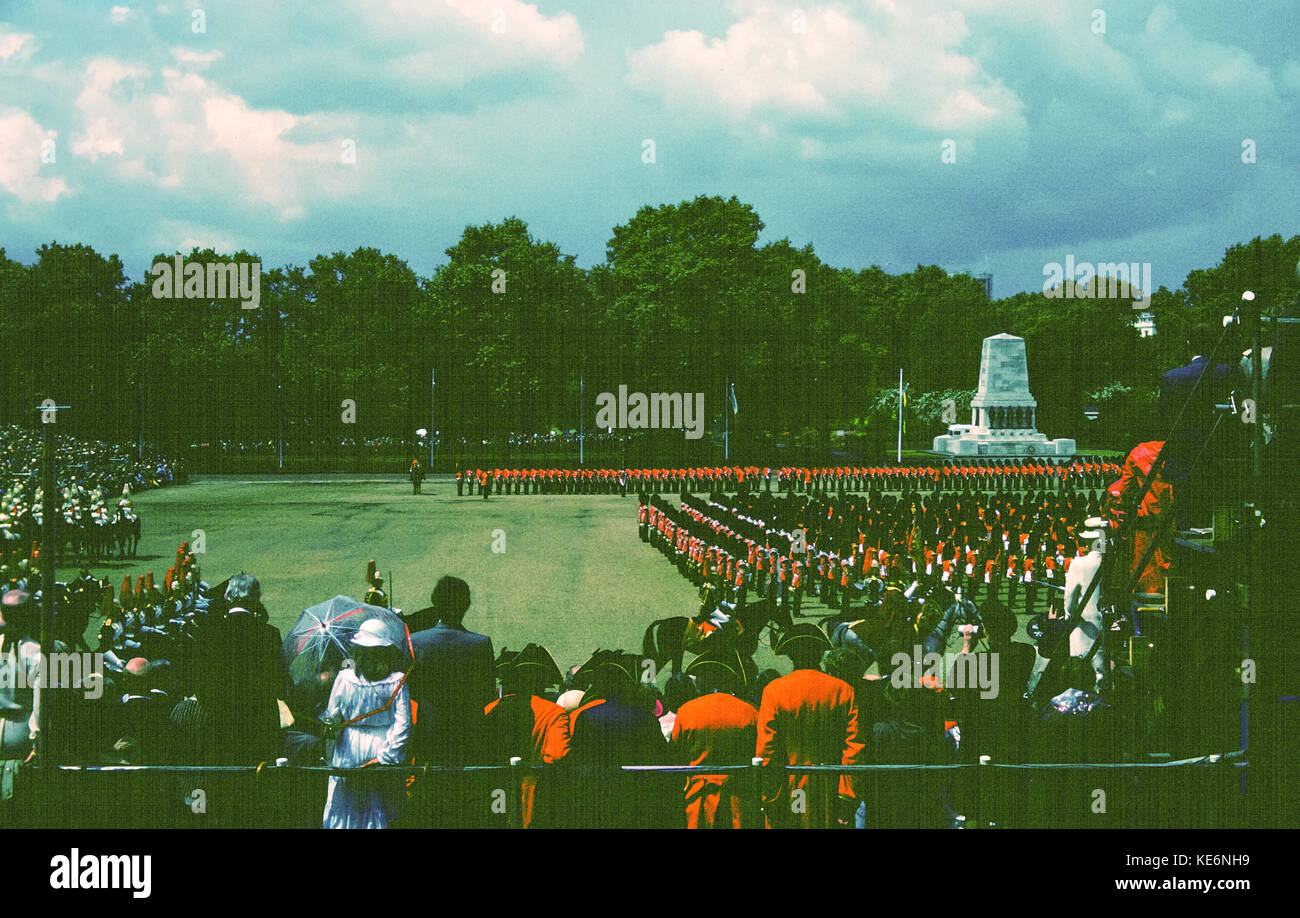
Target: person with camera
[{"x": 1075, "y": 633}]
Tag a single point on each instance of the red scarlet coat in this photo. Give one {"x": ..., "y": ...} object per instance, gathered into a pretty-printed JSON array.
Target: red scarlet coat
[
  {"x": 546, "y": 743},
  {"x": 1153, "y": 520},
  {"x": 807, "y": 718},
  {"x": 716, "y": 729}
]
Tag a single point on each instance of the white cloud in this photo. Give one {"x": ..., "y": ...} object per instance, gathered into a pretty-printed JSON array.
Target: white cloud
[
  {"x": 899, "y": 62},
  {"x": 21, "y": 145},
  {"x": 100, "y": 139},
  {"x": 414, "y": 54},
  {"x": 190, "y": 56},
  {"x": 518, "y": 27},
  {"x": 1214, "y": 72},
  {"x": 184, "y": 133},
  {"x": 120, "y": 14},
  {"x": 11, "y": 43}
]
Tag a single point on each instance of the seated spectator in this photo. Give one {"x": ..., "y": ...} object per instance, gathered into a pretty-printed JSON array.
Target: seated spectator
[
  {"x": 610, "y": 729},
  {"x": 679, "y": 690},
  {"x": 523, "y": 723},
  {"x": 716, "y": 728}
]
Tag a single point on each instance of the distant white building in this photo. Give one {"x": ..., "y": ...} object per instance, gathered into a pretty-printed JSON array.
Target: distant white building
[{"x": 1145, "y": 323}]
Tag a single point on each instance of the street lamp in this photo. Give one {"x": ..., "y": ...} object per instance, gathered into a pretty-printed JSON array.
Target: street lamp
[{"x": 421, "y": 434}]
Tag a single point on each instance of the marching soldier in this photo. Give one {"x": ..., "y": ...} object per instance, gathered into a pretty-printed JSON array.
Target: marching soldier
[{"x": 416, "y": 476}]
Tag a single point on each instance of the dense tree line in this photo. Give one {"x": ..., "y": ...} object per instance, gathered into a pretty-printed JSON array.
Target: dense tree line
[{"x": 685, "y": 299}]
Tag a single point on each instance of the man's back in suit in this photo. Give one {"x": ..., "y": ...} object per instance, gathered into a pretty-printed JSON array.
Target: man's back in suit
[
  {"x": 453, "y": 679},
  {"x": 1197, "y": 421}
]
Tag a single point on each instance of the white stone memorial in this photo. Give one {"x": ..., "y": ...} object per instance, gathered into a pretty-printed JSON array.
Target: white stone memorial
[{"x": 1003, "y": 421}]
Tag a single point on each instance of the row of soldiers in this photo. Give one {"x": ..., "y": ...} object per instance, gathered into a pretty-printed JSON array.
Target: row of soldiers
[
  {"x": 975, "y": 475},
  {"x": 843, "y": 550},
  {"x": 541, "y": 481}
]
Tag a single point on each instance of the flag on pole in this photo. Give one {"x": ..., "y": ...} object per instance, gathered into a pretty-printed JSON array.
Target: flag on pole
[{"x": 735, "y": 408}]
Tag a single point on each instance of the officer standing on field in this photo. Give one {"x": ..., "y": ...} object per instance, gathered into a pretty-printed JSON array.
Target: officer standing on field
[{"x": 417, "y": 476}]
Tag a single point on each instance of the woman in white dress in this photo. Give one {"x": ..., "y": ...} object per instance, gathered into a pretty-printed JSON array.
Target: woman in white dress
[
  {"x": 1090, "y": 621},
  {"x": 373, "y": 706}
]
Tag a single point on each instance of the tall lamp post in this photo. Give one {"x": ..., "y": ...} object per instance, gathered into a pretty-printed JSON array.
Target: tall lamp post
[{"x": 49, "y": 557}]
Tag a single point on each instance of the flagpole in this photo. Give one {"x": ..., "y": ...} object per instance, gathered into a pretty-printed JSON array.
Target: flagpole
[
  {"x": 900, "y": 415},
  {"x": 580, "y": 425},
  {"x": 726, "y": 419},
  {"x": 432, "y": 428}
]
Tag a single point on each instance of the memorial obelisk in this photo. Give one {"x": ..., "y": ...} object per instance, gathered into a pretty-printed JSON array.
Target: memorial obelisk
[{"x": 1003, "y": 412}]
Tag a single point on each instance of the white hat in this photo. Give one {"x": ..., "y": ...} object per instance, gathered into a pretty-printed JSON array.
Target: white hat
[
  {"x": 1096, "y": 528},
  {"x": 371, "y": 634}
]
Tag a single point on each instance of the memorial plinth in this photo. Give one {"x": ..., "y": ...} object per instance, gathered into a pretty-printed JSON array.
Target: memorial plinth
[{"x": 1003, "y": 412}]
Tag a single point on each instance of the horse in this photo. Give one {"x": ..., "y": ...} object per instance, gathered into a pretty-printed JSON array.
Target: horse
[
  {"x": 101, "y": 537},
  {"x": 126, "y": 532}
]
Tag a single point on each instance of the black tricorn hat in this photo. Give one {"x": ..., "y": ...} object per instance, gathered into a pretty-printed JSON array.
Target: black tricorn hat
[
  {"x": 534, "y": 664},
  {"x": 726, "y": 673},
  {"x": 605, "y": 665},
  {"x": 801, "y": 634}
]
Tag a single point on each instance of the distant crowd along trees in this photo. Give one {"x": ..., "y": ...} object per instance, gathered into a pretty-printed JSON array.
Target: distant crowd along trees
[{"x": 685, "y": 298}]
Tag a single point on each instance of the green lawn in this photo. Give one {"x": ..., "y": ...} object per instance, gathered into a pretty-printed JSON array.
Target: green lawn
[{"x": 574, "y": 576}]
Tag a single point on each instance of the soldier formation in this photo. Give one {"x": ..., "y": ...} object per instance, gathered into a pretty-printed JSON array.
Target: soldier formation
[
  {"x": 844, "y": 550},
  {"x": 95, "y": 482},
  {"x": 976, "y": 474}
]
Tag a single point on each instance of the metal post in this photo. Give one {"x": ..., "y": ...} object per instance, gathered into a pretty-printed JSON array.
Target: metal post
[
  {"x": 49, "y": 558},
  {"x": 726, "y": 419},
  {"x": 433, "y": 430},
  {"x": 139, "y": 419},
  {"x": 1255, "y": 496},
  {"x": 516, "y": 807},
  {"x": 581, "y": 428},
  {"x": 1256, "y": 385},
  {"x": 900, "y": 415}
]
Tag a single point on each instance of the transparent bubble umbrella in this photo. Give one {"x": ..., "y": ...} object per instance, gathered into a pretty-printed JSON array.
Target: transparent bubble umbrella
[{"x": 320, "y": 640}]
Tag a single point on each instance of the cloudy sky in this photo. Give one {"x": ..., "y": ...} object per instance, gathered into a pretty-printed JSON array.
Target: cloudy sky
[{"x": 1113, "y": 131}]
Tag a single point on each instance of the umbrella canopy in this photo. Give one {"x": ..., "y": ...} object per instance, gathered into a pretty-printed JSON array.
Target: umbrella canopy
[{"x": 321, "y": 638}]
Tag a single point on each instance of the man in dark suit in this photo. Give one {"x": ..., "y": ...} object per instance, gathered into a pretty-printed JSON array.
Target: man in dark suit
[
  {"x": 453, "y": 679},
  {"x": 1192, "y": 485},
  {"x": 241, "y": 674}
]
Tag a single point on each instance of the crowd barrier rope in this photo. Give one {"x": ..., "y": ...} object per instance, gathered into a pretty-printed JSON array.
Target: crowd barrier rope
[{"x": 57, "y": 794}]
